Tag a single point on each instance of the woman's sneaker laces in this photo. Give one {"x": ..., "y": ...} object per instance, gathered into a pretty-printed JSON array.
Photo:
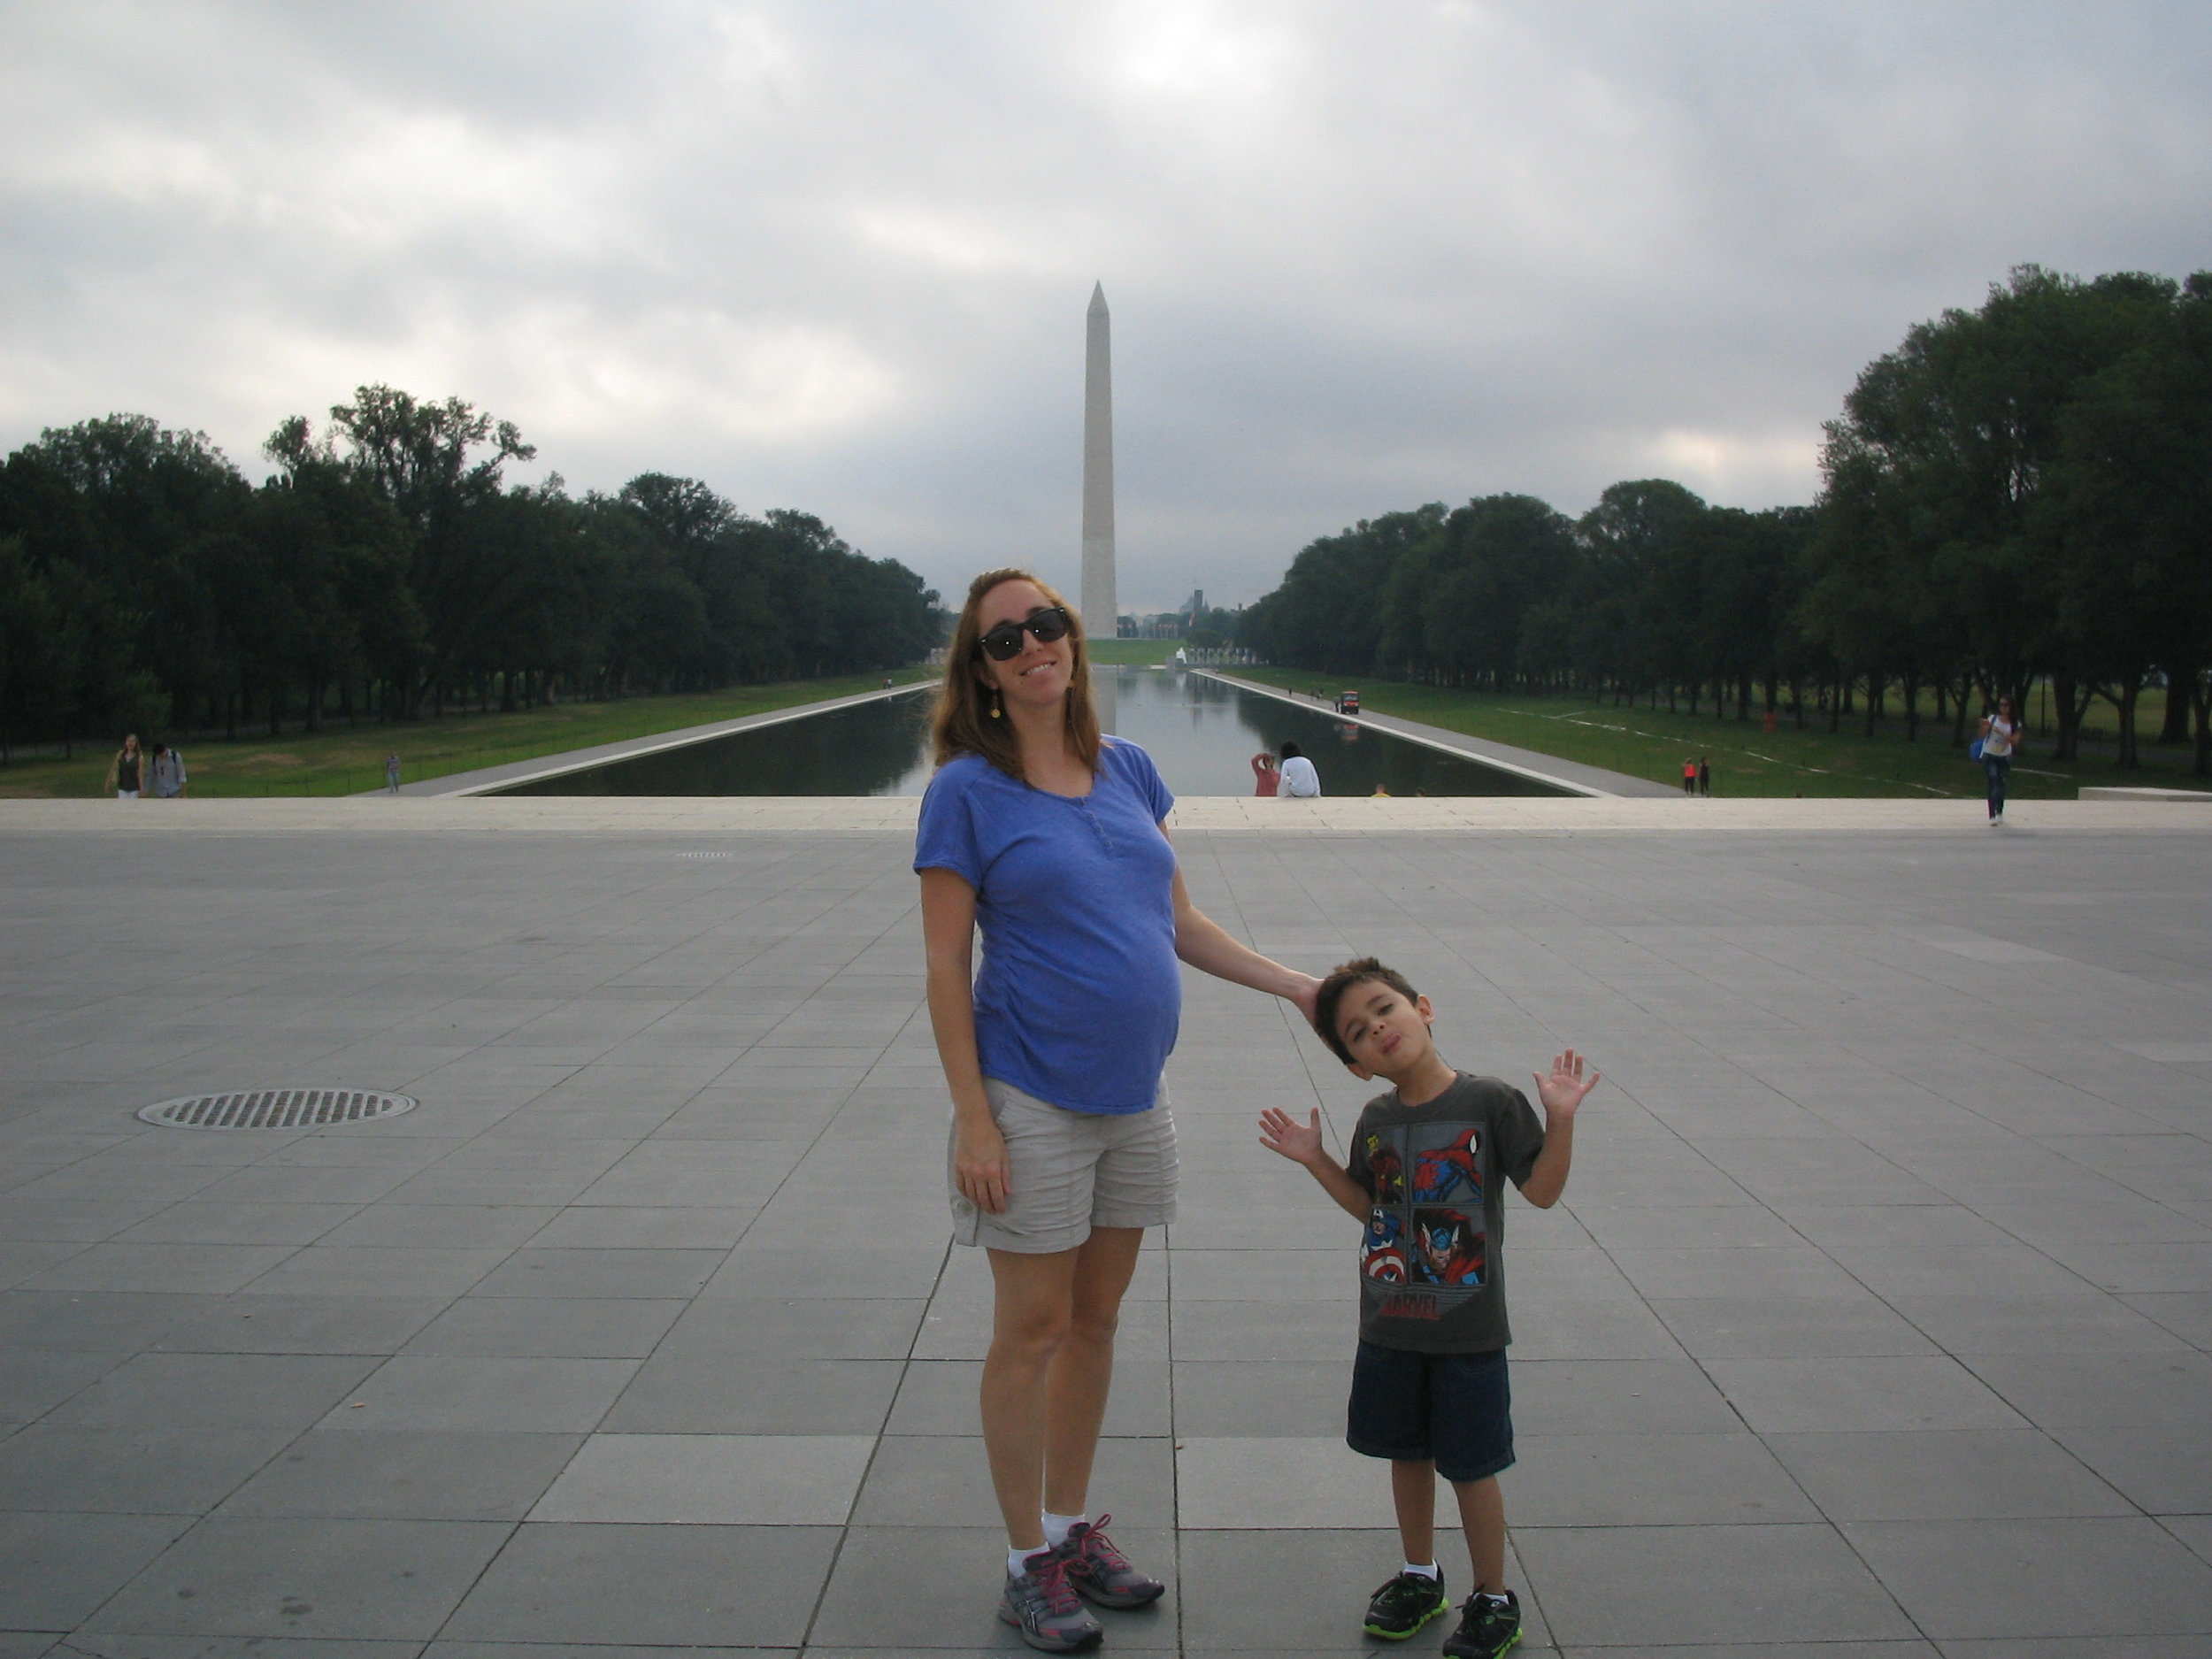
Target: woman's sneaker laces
[
  {"x": 1039, "y": 1602},
  {"x": 1101, "y": 1572}
]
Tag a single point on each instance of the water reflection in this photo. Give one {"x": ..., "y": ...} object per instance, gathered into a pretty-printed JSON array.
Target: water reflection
[{"x": 1201, "y": 732}]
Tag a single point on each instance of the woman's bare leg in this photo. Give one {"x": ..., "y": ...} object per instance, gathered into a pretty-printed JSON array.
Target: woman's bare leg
[
  {"x": 1035, "y": 1305},
  {"x": 1083, "y": 1370}
]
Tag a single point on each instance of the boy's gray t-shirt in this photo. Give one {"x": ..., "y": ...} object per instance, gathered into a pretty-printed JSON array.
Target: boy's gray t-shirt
[{"x": 1431, "y": 1268}]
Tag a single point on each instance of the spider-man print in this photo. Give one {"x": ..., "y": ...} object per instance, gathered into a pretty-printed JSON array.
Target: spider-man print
[
  {"x": 1382, "y": 1255},
  {"x": 1449, "y": 1171},
  {"x": 1447, "y": 1249}
]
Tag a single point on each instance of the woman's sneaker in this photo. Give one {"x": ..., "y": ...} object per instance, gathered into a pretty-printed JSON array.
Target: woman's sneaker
[
  {"x": 1488, "y": 1625},
  {"x": 1102, "y": 1573},
  {"x": 1048, "y": 1614},
  {"x": 1403, "y": 1605}
]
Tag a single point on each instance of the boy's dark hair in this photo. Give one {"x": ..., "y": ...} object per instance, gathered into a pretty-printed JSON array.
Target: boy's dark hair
[{"x": 1342, "y": 978}]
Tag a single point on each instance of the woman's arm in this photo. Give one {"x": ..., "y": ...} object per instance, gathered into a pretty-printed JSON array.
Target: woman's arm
[
  {"x": 979, "y": 1150},
  {"x": 1207, "y": 946}
]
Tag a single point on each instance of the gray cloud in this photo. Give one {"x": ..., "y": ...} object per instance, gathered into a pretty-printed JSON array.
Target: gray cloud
[{"x": 836, "y": 255}]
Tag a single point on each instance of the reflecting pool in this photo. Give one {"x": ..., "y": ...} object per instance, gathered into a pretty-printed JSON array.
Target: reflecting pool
[{"x": 1201, "y": 735}]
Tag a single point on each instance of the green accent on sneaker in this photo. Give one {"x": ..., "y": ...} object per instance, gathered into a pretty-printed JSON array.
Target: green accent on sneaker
[
  {"x": 1401, "y": 1607},
  {"x": 1486, "y": 1628}
]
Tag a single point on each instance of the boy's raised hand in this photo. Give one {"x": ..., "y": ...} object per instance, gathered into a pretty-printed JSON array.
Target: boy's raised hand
[
  {"x": 1562, "y": 1091},
  {"x": 1298, "y": 1142}
]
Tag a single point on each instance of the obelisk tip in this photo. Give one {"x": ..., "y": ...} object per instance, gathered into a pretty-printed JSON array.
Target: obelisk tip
[{"x": 1098, "y": 296}]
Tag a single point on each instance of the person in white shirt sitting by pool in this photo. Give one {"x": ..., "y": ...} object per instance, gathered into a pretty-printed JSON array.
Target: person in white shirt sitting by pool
[{"x": 1299, "y": 777}]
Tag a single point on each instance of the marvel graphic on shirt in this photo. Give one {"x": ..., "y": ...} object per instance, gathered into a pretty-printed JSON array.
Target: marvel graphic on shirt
[{"x": 1429, "y": 1270}]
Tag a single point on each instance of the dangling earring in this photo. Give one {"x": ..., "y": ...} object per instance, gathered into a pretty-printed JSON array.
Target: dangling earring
[{"x": 997, "y": 705}]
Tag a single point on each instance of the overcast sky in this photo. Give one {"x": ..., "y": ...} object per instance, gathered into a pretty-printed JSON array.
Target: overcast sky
[{"x": 836, "y": 255}]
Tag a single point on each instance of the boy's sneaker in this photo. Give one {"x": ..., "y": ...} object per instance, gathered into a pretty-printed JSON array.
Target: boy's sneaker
[
  {"x": 1100, "y": 1572},
  {"x": 1039, "y": 1602},
  {"x": 1488, "y": 1625},
  {"x": 1403, "y": 1605}
]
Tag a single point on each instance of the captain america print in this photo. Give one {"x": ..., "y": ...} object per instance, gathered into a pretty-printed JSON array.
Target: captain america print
[{"x": 1382, "y": 1256}]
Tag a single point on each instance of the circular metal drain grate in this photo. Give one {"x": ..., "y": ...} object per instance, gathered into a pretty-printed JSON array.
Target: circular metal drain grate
[{"x": 276, "y": 1108}]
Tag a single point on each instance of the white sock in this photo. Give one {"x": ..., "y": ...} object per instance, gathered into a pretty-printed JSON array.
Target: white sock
[
  {"x": 1017, "y": 1562},
  {"x": 1429, "y": 1571},
  {"x": 1058, "y": 1527}
]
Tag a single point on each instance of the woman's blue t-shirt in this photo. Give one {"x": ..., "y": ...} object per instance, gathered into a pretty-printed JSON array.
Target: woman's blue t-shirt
[{"x": 1078, "y": 997}]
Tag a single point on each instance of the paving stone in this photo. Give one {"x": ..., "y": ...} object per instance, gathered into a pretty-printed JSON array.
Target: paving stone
[
  {"x": 55, "y": 1570},
  {"x": 589, "y": 1327},
  {"x": 406, "y": 1474},
  {"x": 2093, "y": 1577},
  {"x": 253, "y": 1323},
  {"x": 541, "y": 1396},
  {"x": 711, "y": 1479},
  {"x": 1943, "y": 1475},
  {"x": 240, "y": 1576},
  {"x": 1612, "y": 1587},
  {"x": 215, "y": 1391},
  {"x": 690, "y": 1586},
  {"x": 150, "y": 1470}
]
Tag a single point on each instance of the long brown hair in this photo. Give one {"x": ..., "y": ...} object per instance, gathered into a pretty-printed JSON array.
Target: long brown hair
[{"x": 962, "y": 724}]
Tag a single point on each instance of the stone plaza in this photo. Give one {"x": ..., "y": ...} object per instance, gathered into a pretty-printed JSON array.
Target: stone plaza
[{"x": 1875, "y": 1321}]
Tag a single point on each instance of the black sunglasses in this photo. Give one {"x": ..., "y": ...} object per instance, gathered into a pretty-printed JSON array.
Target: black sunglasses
[{"x": 1004, "y": 642}]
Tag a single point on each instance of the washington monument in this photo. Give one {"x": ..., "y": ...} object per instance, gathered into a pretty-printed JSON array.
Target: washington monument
[{"x": 1100, "y": 612}]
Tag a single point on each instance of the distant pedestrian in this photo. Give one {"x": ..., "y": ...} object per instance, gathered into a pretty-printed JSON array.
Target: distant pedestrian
[
  {"x": 125, "y": 772},
  {"x": 1704, "y": 775},
  {"x": 1264, "y": 774},
  {"x": 1300, "y": 780},
  {"x": 1999, "y": 732},
  {"x": 391, "y": 774},
  {"x": 169, "y": 775},
  {"x": 1689, "y": 776}
]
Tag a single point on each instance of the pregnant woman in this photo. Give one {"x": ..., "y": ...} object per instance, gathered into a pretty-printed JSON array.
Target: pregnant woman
[{"x": 1047, "y": 836}]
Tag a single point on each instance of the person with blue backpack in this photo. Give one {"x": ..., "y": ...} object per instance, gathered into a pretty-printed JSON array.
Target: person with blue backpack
[{"x": 1993, "y": 749}]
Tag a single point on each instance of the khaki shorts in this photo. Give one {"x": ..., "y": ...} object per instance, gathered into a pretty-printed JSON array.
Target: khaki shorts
[{"x": 1071, "y": 1171}]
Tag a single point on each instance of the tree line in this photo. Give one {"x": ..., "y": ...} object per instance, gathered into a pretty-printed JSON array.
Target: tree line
[
  {"x": 388, "y": 569},
  {"x": 2017, "y": 496}
]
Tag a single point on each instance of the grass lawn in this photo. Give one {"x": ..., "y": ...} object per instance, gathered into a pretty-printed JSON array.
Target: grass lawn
[
  {"x": 1651, "y": 743},
  {"x": 345, "y": 760}
]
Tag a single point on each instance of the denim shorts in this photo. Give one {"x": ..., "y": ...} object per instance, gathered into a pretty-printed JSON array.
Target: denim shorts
[
  {"x": 1453, "y": 1409},
  {"x": 1071, "y": 1171}
]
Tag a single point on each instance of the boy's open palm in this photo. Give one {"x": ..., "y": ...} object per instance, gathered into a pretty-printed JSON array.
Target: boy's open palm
[
  {"x": 1282, "y": 1133},
  {"x": 1562, "y": 1091}
]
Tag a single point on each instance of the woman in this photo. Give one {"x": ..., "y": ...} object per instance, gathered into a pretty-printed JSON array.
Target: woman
[
  {"x": 1300, "y": 780},
  {"x": 1046, "y": 834},
  {"x": 1264, "y": 775},
  {"x": 124, "y": 779},
  {"x": 1999, "y": 732}
]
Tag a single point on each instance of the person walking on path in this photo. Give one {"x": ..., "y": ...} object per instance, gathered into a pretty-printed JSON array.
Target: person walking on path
[
  {"x": 1999, "y": 732},
  {"x": 1300, "y": 780},
  {"x": 391, "y": 772},
  {"x": 1704, "y": 775},
  {"x": 1266, "y": 778},
  {"x": 1689, "y": 776},
  {"x": 169, "y": 774},
  {"x": 125, "y": 770},
  {"x": 1047, "y": 835}
]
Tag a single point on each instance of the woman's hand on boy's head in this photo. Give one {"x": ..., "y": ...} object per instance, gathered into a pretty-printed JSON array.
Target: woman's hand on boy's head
[
  {"x": 1564, "y": 1090},
  {"x": 1282, "y": 1133}
]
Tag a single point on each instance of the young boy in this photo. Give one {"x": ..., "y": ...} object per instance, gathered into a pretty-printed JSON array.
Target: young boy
[{"x": 1429, "y": 1385}]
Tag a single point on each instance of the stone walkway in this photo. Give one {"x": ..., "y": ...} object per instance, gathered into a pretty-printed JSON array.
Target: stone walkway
[{"x": 1875, "y": 1322}]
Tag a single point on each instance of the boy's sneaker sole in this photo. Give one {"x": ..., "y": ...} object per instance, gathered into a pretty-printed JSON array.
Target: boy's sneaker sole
[{"x": 1407, "y": 1586}]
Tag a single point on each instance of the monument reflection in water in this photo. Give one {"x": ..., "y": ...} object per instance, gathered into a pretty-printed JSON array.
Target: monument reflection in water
[{"x": 1201, "y": 735}]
